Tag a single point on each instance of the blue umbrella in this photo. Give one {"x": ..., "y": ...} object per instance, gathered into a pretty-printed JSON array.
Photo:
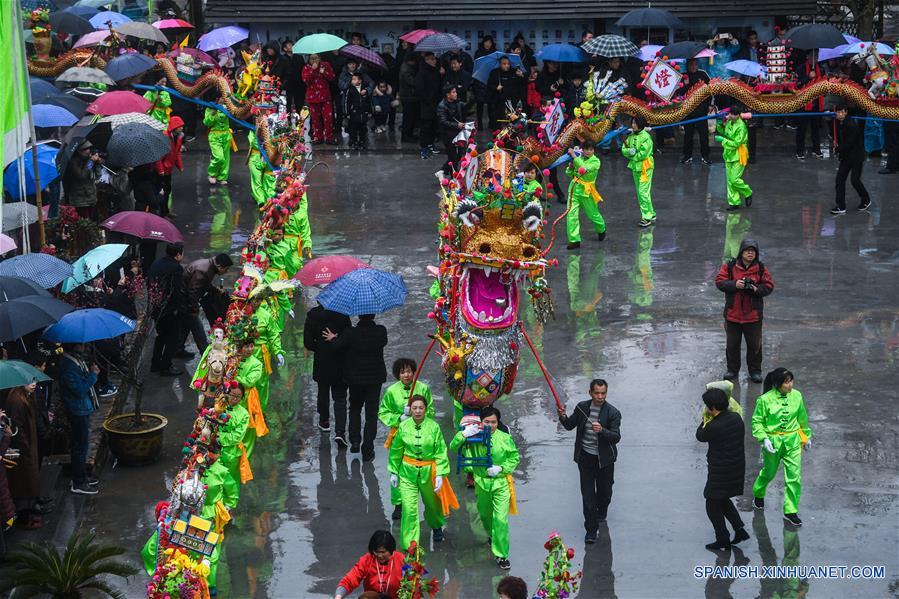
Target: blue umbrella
[
  {"x": 92, "y": 264},
  {"x": 485, "y": 65},
  {"x": 45, "y": 270},
  {"x": 364, "y": 291},
  {"x": 48, "y": 115},
  {"x": 89, "y": 324},
  {"x": 746, "y": 67},
  {"x": 129, "y": 65},
  {"x": 857, "y": 47},
  {"x": 82, "y": 11},
  {"x": 40, "y": 88},
  {"x": 46, "y": 160},
  {"x": 562, "y": 53},
  {"x": 101, "y": 20}
]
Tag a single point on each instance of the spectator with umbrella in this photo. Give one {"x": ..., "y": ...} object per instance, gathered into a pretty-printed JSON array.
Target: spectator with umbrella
[
  {"x": 486, "y": 47},
  {"x": 77, "y": 377},
  {"x": 327, "y": 367},
  {"x": 505, "y": 85},
  {"x": 79, "y": 180},
  {"x": 427, "y": 88},
  {"x": 318, "y": 75}
]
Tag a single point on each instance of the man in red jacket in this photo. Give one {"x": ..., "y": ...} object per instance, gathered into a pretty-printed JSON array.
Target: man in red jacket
[{"x": 745, "y": 282}]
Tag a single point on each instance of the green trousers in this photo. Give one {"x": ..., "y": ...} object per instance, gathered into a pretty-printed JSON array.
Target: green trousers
[
  {"x": 736, "y": 187},
  {"x": 573, "y": 220},
  {"x": 789, "y": 450},
  {"x": 410, "y": 490},
  {"x": 262, "y": 181},
  {"x": 220, "y": 148},
  {"x": 644, "y": 194},
  {"x": 493, "y": 507}
]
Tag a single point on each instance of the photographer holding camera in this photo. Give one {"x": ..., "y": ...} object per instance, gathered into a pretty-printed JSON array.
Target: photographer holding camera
[{"x": 745, "y": 282}]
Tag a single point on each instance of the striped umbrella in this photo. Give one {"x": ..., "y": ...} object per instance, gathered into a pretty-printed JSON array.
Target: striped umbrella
[
  {"x": 126, "y": 118},
  {"x": 610, "y": 46},
  {"x": 364, "y": 291},
  {"x": 369, "y": 57},
  {"x": 45, "y": 270},
  {"x": 438, "y": 43}
]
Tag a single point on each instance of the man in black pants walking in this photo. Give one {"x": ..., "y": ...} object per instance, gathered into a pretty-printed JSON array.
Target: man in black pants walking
[
  {"x": 449, "y": 118},
  {"x": 164, "y": 280},
  {"x": 696, "y": 75},
  {"x": 598, "y": 426},
  {"x": 851, "y": 149},
  {"x": 326, "y": 369}
]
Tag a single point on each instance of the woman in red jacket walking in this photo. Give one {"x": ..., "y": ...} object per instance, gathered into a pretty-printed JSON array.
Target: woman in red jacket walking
[
  {"x": 380, "y": 570},
  {"x": 318, "y": 75},
  {"x": 166, "y": 165}
]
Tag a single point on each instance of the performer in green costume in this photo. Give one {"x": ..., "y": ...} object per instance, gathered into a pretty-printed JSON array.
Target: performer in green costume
[
  {"x": 262, "y": 179},
  {"x": 220, "y": 142},
  {"x": 531, "y": 185},
  {"x": 638, "y": 149},
  {"x": 297, "y": 230},
  {"x": 494, "y": 486},
  {"x": 419, "y": 466},
  {"x": 394, "y": 409},
  {"x": 780, "y": 423},
  {"x": 268, "y": 345},
  {"x": 582, "y": 192},
  {"x": 161, "y": 104},
  {"x": 733, "y": 135}
]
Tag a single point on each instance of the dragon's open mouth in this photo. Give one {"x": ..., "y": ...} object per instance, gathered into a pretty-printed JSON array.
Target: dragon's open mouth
[{"x": 490, "y": 298}]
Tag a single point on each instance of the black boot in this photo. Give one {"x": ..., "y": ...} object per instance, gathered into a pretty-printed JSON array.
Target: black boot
[
  {"x": 739, "y": 535},
  {"x": 719, "y": 546},
  {"x": 398, "y": 513}
]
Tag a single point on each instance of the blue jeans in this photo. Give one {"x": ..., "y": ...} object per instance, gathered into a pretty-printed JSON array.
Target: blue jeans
[{"x": 81, "y": 428}]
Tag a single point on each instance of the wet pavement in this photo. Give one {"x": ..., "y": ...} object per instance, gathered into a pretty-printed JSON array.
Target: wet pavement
[{"x": 640, "y": 310}]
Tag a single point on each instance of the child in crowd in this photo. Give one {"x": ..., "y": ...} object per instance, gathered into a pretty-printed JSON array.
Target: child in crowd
[
  {"x": 530, "y": 179},
  {"x": 383, "y": 104},
  {"x": 357, "y": 108},
  {"x": 533, "y": 96}
]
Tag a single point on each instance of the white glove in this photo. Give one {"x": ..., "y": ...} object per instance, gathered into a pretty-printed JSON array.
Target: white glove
[
  {"x": 291, "y": 313},
  {"x": 394, "y": 481},
  {"x": 438, "y": 482},
  {"x": 494, "y": 471},
  {"x": 769, "y": 446},
  {"x": 404, "y": 417},
  {"x": 471, "y": 430},
  {"x": 632, "y": 151},
  {"x": 280, "y": 360},
  {"x": 406, "y": 410}
]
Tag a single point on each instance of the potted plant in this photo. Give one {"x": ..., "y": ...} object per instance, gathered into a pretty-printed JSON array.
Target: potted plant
[{"x": 38, "y": 570}]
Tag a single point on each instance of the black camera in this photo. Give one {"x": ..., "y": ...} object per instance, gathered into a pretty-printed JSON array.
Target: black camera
[{"x": 748, "y": 284}]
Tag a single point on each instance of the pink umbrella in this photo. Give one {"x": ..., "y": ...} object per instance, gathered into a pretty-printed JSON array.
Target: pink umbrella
[
  {"x": 416, "y": 35},
  {"x": 197, "y": 54},
  {"x": 172, "y": 24},
  {"x": 326, "y": 269},
  {"x": 6, "y": 244},
  {"x": 144, "y": 225},
  {"x": 707, "y": 53},
  {"x": 118, "y": 102},
  {"x": 95, "y": 38}
]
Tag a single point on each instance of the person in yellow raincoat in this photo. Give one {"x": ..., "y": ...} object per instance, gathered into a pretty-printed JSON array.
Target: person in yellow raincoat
[
  {"x": 221, "y": 142},
  {"x": 394, "y": 408},
  {"x": 732, "y": 134},
  {"x": 638, "y": 149},
  {"x": 494, "y": 486},
  {"x": 419, "y": 467},
  {"x": 780, "y": 423},
  {"x": 582, "y": 193},
  {"x": 262, "y": 179}
]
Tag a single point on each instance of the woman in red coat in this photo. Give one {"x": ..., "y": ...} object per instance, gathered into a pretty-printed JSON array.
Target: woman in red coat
[
  {"x": 380, "y": 570},
  {"x": 166, "y": 165},
  {"x": 318, "y": 75}
]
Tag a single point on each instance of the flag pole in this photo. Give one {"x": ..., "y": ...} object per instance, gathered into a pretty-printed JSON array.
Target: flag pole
[{"x": 42, "y": 236}]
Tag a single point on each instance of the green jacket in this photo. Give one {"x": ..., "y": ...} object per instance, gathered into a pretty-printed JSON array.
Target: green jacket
[
  {"x": 269, "y": 332},
  {"x": 161, "y": 102},
  {"x": 503, "y": 452},
  {"x": 591, "y": 166},
  {"x": 637, "y": 148},
  {"x": 420, "y": 442},
  {"x": 731, "y": 135},
  {"x": 298, "y": 225},
  {"x": 250, "y": 372},
  {"x": 778, "y": 413},
  {"x": 217, "y": 122},
  {"x": 395, "y": 399},
  {"x": 283, "y": 256},
  {"x": 532, "y": 186}
]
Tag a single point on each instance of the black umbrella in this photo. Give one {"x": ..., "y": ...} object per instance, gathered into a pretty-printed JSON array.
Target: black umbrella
[
  {"x": 85, "y": 94},
  {"x": 134, "y": 144},
  {"x": 73, "y": 105},
  {"x": 19, "y": 317},
  {"x": 69, "y": 22},
  {"x": 814, "y": 35},
  {"x": 16, "y": 287},
  {"x": 97, "y": 133},
  {"x": 41, "y": 88},
  {"x": 682, "y": 50},
  {"x": 649, "y": 17}
]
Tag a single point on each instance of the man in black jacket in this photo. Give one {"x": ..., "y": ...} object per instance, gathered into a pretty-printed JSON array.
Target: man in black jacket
[
  {"x": 726, "y": 467},
  {"x": 364, "y": 372},
  {"x": 598, "y": 426},
  {"x": 850, "y": 144},
  {"x": 450, "y": 120},
  {"x": 164, "y": 281},
  {"x": 696, "y": 75},
  {"x": 505, "y": 85},
  {"x": 326, "y": 368},
  {"x": 427, "y": 88}
]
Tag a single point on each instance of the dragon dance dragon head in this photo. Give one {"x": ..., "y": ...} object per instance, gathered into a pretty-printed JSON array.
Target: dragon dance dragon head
[{"x": 490, "y": 231}]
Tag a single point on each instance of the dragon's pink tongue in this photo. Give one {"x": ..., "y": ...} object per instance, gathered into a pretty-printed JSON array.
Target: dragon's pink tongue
[{"x": 484, "y": 292}]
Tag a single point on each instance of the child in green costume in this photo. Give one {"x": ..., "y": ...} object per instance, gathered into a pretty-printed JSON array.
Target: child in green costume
[
  {"x": 161, "y": 103},
  {"x": 531, "y": 185},
  {"x": 394, "y": 409},
  {"x": 732, "y": 134},
  {"x": 220, "y": 142},
  {"x": 262, "y": 179},
  {"x": 494, "y": 486},
  {"x": 780, "y": 423},
  {"x": 582, "y": 192},
  {"x": 638, "y": 149}
]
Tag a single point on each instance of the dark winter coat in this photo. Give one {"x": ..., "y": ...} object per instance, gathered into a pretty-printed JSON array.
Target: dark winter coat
[
  {"x": 548, "y": 83},
  {"x": 726, "y": 459},
  {"x": 514, "y": 87},
  {"x": 428, "y": 88},
  {"x": 408, "y": 72},
  {"x": 850, "y": 140},
  {"x": 744, "y": 305},
  {"x": 461, "y": 79},
  {"x": 464, "y": 57},
  {"x": 363, "y": 353},
  {"x": 357, "y": 107},
  {"x": 277, "y": 65},
  {"x": 7, "y": 505},
  {"x": 692, "y": 79},
  {"x": 78, "y": 183},
  {"x": 608, "y": 438},
  {"x": 449, "y": 115},
  {"x": 24, "y": 479},
  {"x": 165, "y": 277},
  {"x": 326, "y": 362}
]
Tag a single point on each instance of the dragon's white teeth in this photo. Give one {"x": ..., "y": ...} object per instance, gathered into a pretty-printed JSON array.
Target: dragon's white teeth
[{"x": 482, "y": 316}]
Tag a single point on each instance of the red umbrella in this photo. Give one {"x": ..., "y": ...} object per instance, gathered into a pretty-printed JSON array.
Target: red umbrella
[
  {"x": 172, "y": 24},
  {"x": 144, "y": 225},
  {"x": 369, "y": 57},
  {"x": 415, "y": 36},
  {"x": 118, "y": 102},
  {"x": 326, "y": 269}
]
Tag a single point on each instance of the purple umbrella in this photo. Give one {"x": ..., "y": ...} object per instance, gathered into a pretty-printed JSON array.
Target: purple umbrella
[
  {"x": 144, "y": 225},
  {"x": 369, "y": 57},
  {"x": 222, "y": 38}
]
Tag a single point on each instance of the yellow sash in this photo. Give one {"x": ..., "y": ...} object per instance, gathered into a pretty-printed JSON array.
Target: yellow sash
[
  {"x": 390, "y": 437},
  {"x": 222, "y": 517},
  {"x": 446, "y": 495},
  {"x": 299, "y": 243},
  {"x": 266, "y": 359},
  {"x": 230, "y": 133},
  {"x": 644, "y": 171},
  {"x": 589, "y": 188},
  {"x": 246, "y": 474},
  {"x": 513, "y": 506},
  {"x": 743, "y": 154},
  {"x": 803, "y": 438},
  {"x": 257, "y": 418}
]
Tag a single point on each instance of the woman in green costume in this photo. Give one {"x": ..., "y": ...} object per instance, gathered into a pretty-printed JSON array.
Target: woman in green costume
[
  {"x": 262, "y": 179},
  {"x": 733, "y": 135},
  {"x": 638, "y": 149},
  {"x": 220, "y": 142}
]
